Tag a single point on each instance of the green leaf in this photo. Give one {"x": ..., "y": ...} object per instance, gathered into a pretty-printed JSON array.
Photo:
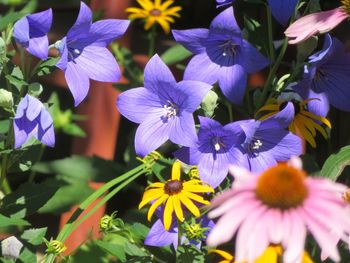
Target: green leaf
[
  {"x": 28, "y": 254},
  {"x": 113, "y": 249},
  {"x": 190, "y": 254},
  {"x": 11, "y": 221},
  {"x": 8, "y": 19},
  {"x": 16, "y": 78},
  {"x": 335, "y": 164},
  {"x": 46, "y": 67},
  {"x": 175, "y": 54},
  {"x": 27, "y": 199},
  {"x": 34, "y": 236},
  {"x": 133, "y": 250},
  {"x": 74, "y": 130},
  {"x": 138, "y": 231}
]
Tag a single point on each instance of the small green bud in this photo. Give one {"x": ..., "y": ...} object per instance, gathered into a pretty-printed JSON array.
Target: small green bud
[
  {"x": 106, "y": 222},
  {"x": 35, "y": 89},
  {"x": 209, "y": 103},
  {"x": 6, "y": 99},
  {"x": 55, "y": 247}
]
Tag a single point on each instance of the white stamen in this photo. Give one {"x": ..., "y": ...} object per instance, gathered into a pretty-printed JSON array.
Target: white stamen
[
  {"x": 170, "y": 110},
  {"x": 257, "y": 145},
  {"x": 76, "y": 51},
  {"x": 217, "y": 147}
]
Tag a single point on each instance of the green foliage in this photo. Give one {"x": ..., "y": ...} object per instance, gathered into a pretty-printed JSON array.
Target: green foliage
[
  {"x": 46, "y": 67},
  {"x": 175, "y": 54},
  {"x": 34, "y": 236},
  {"x": 11, "y": 221},
  {"x": 335, "y": 164}
]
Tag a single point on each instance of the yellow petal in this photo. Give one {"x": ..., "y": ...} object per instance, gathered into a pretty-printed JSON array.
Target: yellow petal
[
  {"x": 134, "y": 10},
  {"x": 156, "y": 185},
  {"x": 308, "y": 123},
  {"x": 146, "y": 4},
  {"x": 178, "y": 209},
  {"x": 195, "y": 197},
  {"x": 197, "y": 188},
  {"x": 168, "y": 213},
  {"x": 274, "y": 107},
  {"x": 319, "y": 118},
  {"x": 176, "y": 171},
  {"x": 150, "y": 22},
  {"x": 166, "y": 4},
  {"x": 306, "y": 258},
  {"x": 154, "y": 206},
  {"x": 189, "y": 204},
  {"x": 305, "y": 133},
  {"x": 222, "y": 253},
  {"x": 137, "y": 16},
  {"x": 270, "y": 255},
  {"x": 150, "y": 195}
]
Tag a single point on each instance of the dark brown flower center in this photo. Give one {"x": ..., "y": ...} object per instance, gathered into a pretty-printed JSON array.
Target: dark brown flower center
[
  {"x": 155, "y": 12},
  {"x": 282, "y": 187},
  {"x": 173, "y": 187}
]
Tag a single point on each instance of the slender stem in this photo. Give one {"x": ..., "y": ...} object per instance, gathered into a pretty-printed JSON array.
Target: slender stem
[
  {"x": 152, "y": 41},
  {"x": 269, "y": 30},
  {"x": 230, "y": 111},
  {"x": 272, "y": 72},
  {"x": 179, "y": 235},
  {"x": 40, "y": 155}
]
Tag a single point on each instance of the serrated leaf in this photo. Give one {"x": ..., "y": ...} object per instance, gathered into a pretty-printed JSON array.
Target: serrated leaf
[
  {"x": 11, "y": 221},
  {"x": 34, "y": 236},
  {"x": 335, "y": 164},
  {"x": 27, "y": 199},
  {"x": 113, "y": 249},
  {"x": 175, "y": 54}
]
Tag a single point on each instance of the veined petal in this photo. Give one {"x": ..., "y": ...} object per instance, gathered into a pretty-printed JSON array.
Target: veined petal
[
  {"x": 40, "y": 23},
  {"x": 21, "y": 32},
  {"x": 168, "y": 213},
  {"x": 183, "y": 130},
  {"x": 46, "y": 131},
  {"x": 39, "y": 47},
  {"x": 225, "y": 21},
  {"x": 191, "y": 38},
  {"x": 109, "y": 30},
  {"x": 250, "y": 58},
  {"x": 213, "y": 169},
  {"x": 82, "y": 25},
  {"x": 188, "y": 155},
  {"x": 78, "y": 82},
  {"x": 159, "y": 237},
  {"x": 154, "y": 206},
  {"x": 99, "y": 64}
]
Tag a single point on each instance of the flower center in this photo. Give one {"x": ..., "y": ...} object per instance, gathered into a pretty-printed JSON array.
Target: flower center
[
  {"x": 155, "y": 12},
  {"x": 217, "y": 143},
  {"x": 170, "y": 110},
  {"x": 253, "y": 146},
  {"x": 282, "y": 187},
  {"x": 228, "y": 48},
  {"x": 173, "y": 187}
]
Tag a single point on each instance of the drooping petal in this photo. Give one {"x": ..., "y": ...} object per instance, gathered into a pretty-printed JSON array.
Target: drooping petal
[
  {"x": 138, "y": 104},
  {"x": 151, "y": 134},
  {"x": 233, "y": 81},
  {"x": 108, "y": 30},
  {"x": 282, "y": 9},
  {"x": 82, "y": 25},
  {"x": 158, "y": 75},
  {"x": 191, "y": 39},
  {"x": 183, "y": 130},
  {"x": 99, "y": 64},
  {"x": 78, "y": 82},
  {"x": 201, "y": 68}
]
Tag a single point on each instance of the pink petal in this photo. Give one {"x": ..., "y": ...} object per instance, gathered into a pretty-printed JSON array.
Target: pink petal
[
  {"x": 315, "y": 23},
  {"x": 275, "y": 228}
]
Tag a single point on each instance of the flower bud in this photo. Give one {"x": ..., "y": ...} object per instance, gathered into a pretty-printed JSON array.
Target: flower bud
[{"x": 6, "y": 99}]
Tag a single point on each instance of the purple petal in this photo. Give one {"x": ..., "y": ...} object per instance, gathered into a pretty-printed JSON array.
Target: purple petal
[
  {"x": 82, "y": 25},
  {"x": 324, "y": 54},
  {"x": 23, "y": 129},
  {"x": 98, "y": 64},
  {"x": 201, "y": 68},
  {"x": 208, "y": 123},
  {"x": 280, "y": 120},
  {"x": 62, "y": 63},
  {"x": 282, "y": 9},
  {"x": 183, "y": 130},
  {"x": 158, "y": 75},
  {"x": 261, "y": 162},
  {"x": 188, "y": 155},
  {"x": 39, "y": 47},
  {"x": 138, "y": 104},
  {"x": 250, "y": 58},
  {"x": 40, "y": 23},
  {"x": 225, "y": 21},
  {"x": 195, "y": 91},
  {"x": 34, "y": 107},
  {"x": 108, "y": 30},
  {"x": 21, "y": 32},
  {"x": 233, "y": 81},
  {"x": 213, "y": 169},
  {"x": 159, "y": 237},
  {"x": 46, "y": 132},
  {"x": 191, "y": 38},
  {"x": 78, "y": 82},
  {"x": 151, "y": 134},
  {"x": 223, "y": 2}
]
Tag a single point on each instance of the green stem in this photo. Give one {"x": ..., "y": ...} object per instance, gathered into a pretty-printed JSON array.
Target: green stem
[
  {"x": 179, "y": 235},
  {"x": 230, "y": 111},
  {"x": 152, "y": 41},
  {"x": 74, "y": 222},
  {"x": 273, "y": 72},
  {"x": 33, "y": 173},
  {"x": 269, "y": 30}
]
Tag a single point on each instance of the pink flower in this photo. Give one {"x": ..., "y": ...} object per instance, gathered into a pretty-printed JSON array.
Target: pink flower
[
  {"x": 315, "y": 23},
  {"x": 279, "y": 206}
]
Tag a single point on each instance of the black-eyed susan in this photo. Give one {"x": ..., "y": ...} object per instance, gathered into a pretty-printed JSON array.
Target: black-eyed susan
[
  {"x": 304, "y": 121},
  {"x": 155, "y": 12},
  {"x": 272, "y": 254},
  {"x": 173, "y": 194}
]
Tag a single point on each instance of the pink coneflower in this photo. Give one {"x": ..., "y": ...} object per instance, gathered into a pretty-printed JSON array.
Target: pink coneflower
[
  {"x": 278, "y": 207},
  {"x": 316, "y": 23}
]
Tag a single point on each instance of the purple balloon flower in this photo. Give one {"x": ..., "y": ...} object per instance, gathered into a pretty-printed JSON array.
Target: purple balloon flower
[
  {"x": 31, "y": 30},
  {"x": 163, "y": 108},
  {"x": 33, "y": 119},
  {"x": 159, "y": 237},
  {"x": 224, "y": 2},
  {"x": 84, "y": 54},
  {"x": 215, "y": 151},
  {"x": 282, "y": 10},
  {"x": 268, "y": 141},
  {"x": 221, "y": 54},
  {"x": 326, "y": 78}
]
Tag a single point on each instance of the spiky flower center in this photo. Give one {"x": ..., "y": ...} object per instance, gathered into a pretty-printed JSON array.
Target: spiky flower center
[
  {"x": 346, "y": 6},
  {"x": 282, "y": 187},
  {"x": 155, "y": 12},
  {"x": 170, "y": 110},
  {"x": 173, "y": 187}
]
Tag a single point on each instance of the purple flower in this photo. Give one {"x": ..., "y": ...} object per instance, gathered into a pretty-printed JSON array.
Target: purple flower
[
  {"x": 326, "y": 78},
  {"x": 163, "y": 108},
  {"x": 159, "y": 237},
  {"x": 84, "y": 54},
  {"x": 215, "y": 150},
  {"x": 282, "y": 10},
  {"x": 221, "y": 55},
  {"x": 33, "y": 119},
  {"x": 224, "y": 2},
  {"x": 268, "y": 142},
  {"x": 31, "y": 30}
]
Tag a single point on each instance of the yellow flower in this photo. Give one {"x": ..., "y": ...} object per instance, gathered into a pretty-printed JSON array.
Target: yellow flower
[
  {"x": 270, "y": 255},
  {"x": 155, "y": 12},
  {"x": 304, "y": 121},
  {"x": 173, "y": 194}
]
